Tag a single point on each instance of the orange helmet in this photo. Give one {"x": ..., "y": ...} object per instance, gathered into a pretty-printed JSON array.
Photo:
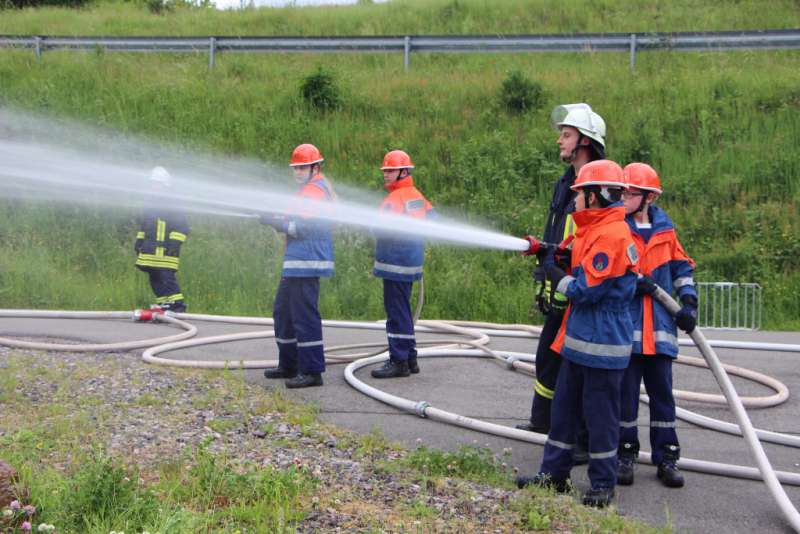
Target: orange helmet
[
  {"x": 396, "y": 159},
  {"x": 305, "y": 154},
  {"x": 603, "y": 173},
  {"x": 642, "y": 176}
]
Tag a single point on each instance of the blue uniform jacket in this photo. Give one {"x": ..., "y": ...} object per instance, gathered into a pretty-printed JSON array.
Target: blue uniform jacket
[
  {"x": 663, "y": 259},
  {"x": 309, "y": 244},
  {"x": 597, "y": 330}
]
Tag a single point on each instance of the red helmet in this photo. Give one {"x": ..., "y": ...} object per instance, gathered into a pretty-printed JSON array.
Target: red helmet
[
  {"x": 305, "y": 154},
  {"x": 642, "y": 176},
  {"x": 602, "y": 173},
  {"x": 396, "y": 159}
]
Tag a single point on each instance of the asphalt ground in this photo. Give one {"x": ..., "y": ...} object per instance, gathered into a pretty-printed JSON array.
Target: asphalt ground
[{"x": 486, "y": 389}]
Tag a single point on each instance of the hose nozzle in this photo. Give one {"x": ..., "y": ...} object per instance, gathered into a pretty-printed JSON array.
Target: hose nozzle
[{"x": 144, "y": 316}]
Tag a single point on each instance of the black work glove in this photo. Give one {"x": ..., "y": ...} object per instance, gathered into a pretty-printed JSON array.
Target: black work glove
[
  {"x": 563, "y": 257},
  {"x": 554, "y": 272},
  {"x": 645, "y": 286},
  {"x": 686, "y": 318}
]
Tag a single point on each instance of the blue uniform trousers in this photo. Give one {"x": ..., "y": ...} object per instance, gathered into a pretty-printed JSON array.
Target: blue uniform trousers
[
  {"x": 593, "y": 394},
  {"x": 298, "y": 325},
  {"x": 164, "y": 283},
  {"x": 657, "y": 373},
  {"x": 399, "y": 321}
]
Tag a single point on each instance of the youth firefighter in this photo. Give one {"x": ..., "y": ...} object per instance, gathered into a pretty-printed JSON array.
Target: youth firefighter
[
  {"x": 596, "y": 336},
  {"x": 398, "y": 260},
  {"x": 162, "y": 232},
  {"x": 581, "y": 140},
  {"x": 662, "y": 261},
  {"x": 308, "y": 256}
]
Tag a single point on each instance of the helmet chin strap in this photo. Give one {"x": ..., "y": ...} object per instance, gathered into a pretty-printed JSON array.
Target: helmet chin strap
[
  {"x": 642, "y": 203},
  {"x": 574, "y": 154}
]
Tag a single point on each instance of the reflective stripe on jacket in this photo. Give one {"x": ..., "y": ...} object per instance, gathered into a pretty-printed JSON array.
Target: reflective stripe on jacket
[
  {"x": 159, "y": 239},
  {"x": 558, "y": 226},
  {"x": 597, "y": 330},
  {"x": 309, "y": 243},
  {"x": 663, "y": 259},
  {"x": 397, "y": 258}
]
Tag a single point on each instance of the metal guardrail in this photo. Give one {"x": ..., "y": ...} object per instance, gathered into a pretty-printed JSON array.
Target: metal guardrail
[
  {"x": 587, "y": 42},
  {"x": 729, "y": 306}
]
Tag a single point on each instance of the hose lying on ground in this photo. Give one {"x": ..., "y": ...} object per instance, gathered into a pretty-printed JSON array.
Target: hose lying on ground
[{"x": 475, "y": 346}]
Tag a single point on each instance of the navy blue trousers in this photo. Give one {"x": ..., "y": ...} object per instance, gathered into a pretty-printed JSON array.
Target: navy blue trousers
[
  {"x": 594, "y": 395},
  {"x": 164, "y": 283},
  {"x": 657, "y": 374},
  {"x": 298, "y": 325},
  {"x": 399, "y": 321}
]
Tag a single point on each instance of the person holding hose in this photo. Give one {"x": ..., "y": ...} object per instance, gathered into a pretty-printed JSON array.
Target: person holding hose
[
  {"x": 307, "y": 257},
  {"x": 398, "y": 261},
  {"x": 662, "y": 262},
  {"x": 581, "y": 139},
  {"x": 162, "y": 232},
  {"x": 596, "y": 336}
]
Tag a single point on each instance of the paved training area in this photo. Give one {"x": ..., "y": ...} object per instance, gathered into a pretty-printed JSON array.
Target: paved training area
[{"x": 486, "y": 389}]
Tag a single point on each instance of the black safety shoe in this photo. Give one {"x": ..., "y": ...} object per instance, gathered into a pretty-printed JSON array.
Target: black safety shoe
[
  {"x": 391, "y": 369},
  {"x": 669, "y": 474},
  {"x": 304, "y": 381},
  {"x": 598, "y": 497},
  {"x": 413, "y": 366},
  {"x": 530, "y": 427},
  {"x": 625, "y": 471},
  {"x": 543, "y": 480},
  {"x": 279, "y": 372}
]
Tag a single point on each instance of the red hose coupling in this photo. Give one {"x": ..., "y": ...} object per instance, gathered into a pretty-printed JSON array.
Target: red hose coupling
[{"x": 144, "y": 316}]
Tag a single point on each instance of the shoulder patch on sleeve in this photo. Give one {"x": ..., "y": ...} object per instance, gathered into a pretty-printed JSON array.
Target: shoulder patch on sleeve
[
  {"x": 600, "y": 262},
  {"x": 415, "y": 205},
  {"x": 633, "y": 255}
]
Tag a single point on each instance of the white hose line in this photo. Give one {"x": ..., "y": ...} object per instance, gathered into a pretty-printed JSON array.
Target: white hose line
[
  {"x": 750, "y": 437},
  {"x": 190, "y": 331},
  {"x": 424, "y": 409}
]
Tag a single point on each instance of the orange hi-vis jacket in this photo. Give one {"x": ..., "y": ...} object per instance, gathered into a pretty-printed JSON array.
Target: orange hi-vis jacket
[
  {"x": 401, "y": 258},
  {"x": 597, "y": 330},
  {"x": 663, "y": 259}
]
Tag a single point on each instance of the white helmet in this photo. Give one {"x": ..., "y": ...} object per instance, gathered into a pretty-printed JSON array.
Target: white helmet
[
  {"x": 160, "y": 175},
  {"x": 581, "y": 117}
]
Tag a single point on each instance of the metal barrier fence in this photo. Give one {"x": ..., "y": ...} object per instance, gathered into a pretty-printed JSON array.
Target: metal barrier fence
[
  {"x": 588, "y": 42},
  {"x": 729, "y": 305}
]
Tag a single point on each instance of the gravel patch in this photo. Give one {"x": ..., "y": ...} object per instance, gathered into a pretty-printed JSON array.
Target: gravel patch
[{"x": 149, "y": 415}]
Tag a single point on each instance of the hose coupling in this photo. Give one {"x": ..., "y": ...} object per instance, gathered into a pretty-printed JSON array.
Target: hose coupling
[
  {"x": 420, "y": 408},
  {"x": 510, "y": 362},
  {"x": 145, "y": 316}
]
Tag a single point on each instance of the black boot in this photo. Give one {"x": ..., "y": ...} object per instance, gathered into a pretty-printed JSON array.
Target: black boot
[
  {"x": 304, "y": 381},
  {"x": 391, "y": 369},
  {"x": 626, "y": 460},
  {"x": 279, "y": 372},
  {"x": 598, "y": 497},
  {"x": 413, "y": 366},
  {"x": 543, "y": 480},
  {"x": 668, "y": 472}
]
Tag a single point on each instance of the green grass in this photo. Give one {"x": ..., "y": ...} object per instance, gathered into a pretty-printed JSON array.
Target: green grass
[
  {"x": 721, "y": 128},
  {"x": 400, "y": 17}
]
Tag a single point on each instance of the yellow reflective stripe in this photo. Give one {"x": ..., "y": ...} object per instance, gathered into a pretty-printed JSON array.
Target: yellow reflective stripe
[
  {"x": 161, "y": 229},
  {"x": 140, "y": 235},
  {"x": 159, "y": 252},
  {"x": 177, "y": 236},
  {"x": 569, "y": 226},
  {"x": 169, "y": 298},
  {"x": 149, "y": 260},
  {"x": 545, "y": 392}
]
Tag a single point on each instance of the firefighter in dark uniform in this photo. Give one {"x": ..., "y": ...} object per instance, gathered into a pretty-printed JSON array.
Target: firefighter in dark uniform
[
  {"x": 162, "y": 232},
  {"x": 581, "y": 140}
]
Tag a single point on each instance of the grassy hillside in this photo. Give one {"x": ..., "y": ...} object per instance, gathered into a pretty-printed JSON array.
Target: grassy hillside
[{"x": 723, "y": 130}]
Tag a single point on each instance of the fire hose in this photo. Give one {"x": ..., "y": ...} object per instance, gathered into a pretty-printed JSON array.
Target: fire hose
[{"x": 475, "y": 346}]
